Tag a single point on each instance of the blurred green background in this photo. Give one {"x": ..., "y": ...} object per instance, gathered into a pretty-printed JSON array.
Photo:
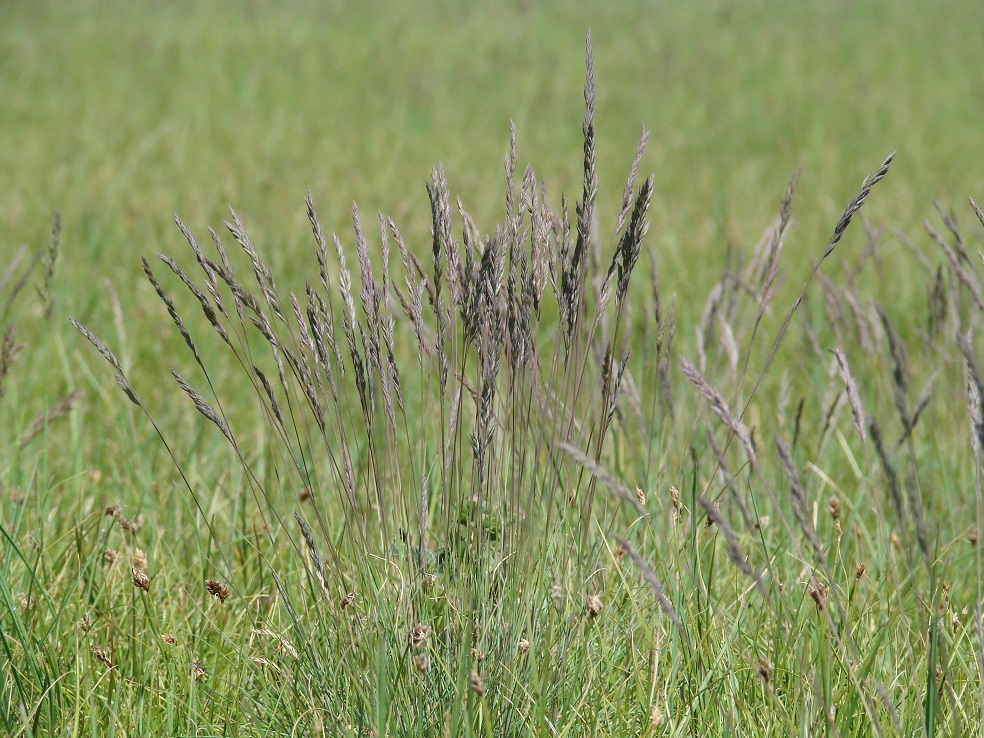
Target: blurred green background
[{"x": 120, "y": 113}]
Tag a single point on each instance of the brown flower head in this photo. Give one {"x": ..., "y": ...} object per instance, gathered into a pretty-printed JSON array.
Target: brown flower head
[
  {"x": 594, "y": 605},
  {"x": 477, "y": 685},
  {"x": 100, "y": 654},
  {"x": 419, "y": 634},
  {"x": 217, "y": 589},
  {"x": 140, "y": 579},
  {"x": 765, "y": 670}
]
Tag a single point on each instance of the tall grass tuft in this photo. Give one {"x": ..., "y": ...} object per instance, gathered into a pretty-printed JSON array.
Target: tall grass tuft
[{"x": 454, "y": 431}]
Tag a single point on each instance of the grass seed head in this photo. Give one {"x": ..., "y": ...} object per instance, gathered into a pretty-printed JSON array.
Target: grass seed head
[
  {"x": 419, "y": 634},
  {"x": 140, "y": 559},
  {"x": 85, "y": 622},
  {"x": 858, "y": 570},
  {"x": 198, "y": 671},
  {"x": 594, "y": 605},
  {"x": 477, "y": 685},
  {"x": 110, "y": 555},
  {"x": 140, "y": 579},
  {"x": 818, "y": 592},
  {"x": 217, "y": 589},
  {"x": 168, "y": 638},
  {"x": 765, "y": 670},
  {"x": 348, "y": 599},
  {"x": 834, "y": 507},
  {"x": 524, "y": 646},
  {"x": 100, "y": 654},
  {"x": 656, "y": 717},
  {"x": 421, "y": 662},
  {"x": 619, "y": 553},
  {"x": 114, "y": 511}
]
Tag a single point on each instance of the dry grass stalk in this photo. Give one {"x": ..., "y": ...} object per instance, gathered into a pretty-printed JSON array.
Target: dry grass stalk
[
  {"x": 857, "y": 411},
  {"x": 9, "y": 348},
  {"x": 653, "y": 581},
  {"x": 603, "y": 476},
  {"x": 731, "y": 543},
  {"x": 57, "y": 410},
  {"x": 801, "y": 507},
  {"x": 720, "y": 407}
]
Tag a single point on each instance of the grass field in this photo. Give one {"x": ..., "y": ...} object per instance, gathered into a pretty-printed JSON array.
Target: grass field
[{"x": 469, "y": 556}]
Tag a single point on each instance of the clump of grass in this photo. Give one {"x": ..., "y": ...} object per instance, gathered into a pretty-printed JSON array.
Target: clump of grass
[{"x": 436, "y": 440}]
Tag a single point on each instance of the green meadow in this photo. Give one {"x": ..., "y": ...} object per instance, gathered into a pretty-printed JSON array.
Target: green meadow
[{"x": 668, "y": 459}]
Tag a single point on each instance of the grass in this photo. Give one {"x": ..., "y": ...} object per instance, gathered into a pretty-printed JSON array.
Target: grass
[{"x": 787, "y": 566}]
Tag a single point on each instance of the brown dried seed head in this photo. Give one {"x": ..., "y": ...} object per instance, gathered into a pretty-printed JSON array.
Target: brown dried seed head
[
  {"x": 304, "y": 496},
  {"x": 858, "y": 570},
  {"x": 114, "y": 511},
  {"x": 139, "y": 559},
  {"x": 168, "y": 638},
  {"x": 818, "y": 592},
  {"x": 100, "y": 654},
  {"x": 140, "y": 579},
  {"x": 765, "y": 670},
  {"x": 762, "y": 522},
  {"x": 348, "y": 599},
  {"x": 675, "y": 497},
  {"x": 419, "y": 634},
  {"x": 641, "y": 496},
  {"x": 85, "y": 622},
  {"x": 954, "y": 622},
  {"x": 477, "y": 656},
  {"x": 835, "y": 507},
  {"x": 973, "y": 537},
  {"x": 619, "y": 553},
  {"x": 896, "y": 541},
  {"x": 524, "y": 646},
  {"x": 111, "y": 555},
  {"x": 217, "y": 589},
  {"x": 838, "y": 531},
  {"x": 128, "y": 525},
  {"x": 477, "y": 685},
  {"x": 198, "y": 671},
  {"x": 656, "y": 717},
  {"x": 594, "y": 605},
  {"x": 421, "y": 662},
  {"x": 140, "y": 521}
]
